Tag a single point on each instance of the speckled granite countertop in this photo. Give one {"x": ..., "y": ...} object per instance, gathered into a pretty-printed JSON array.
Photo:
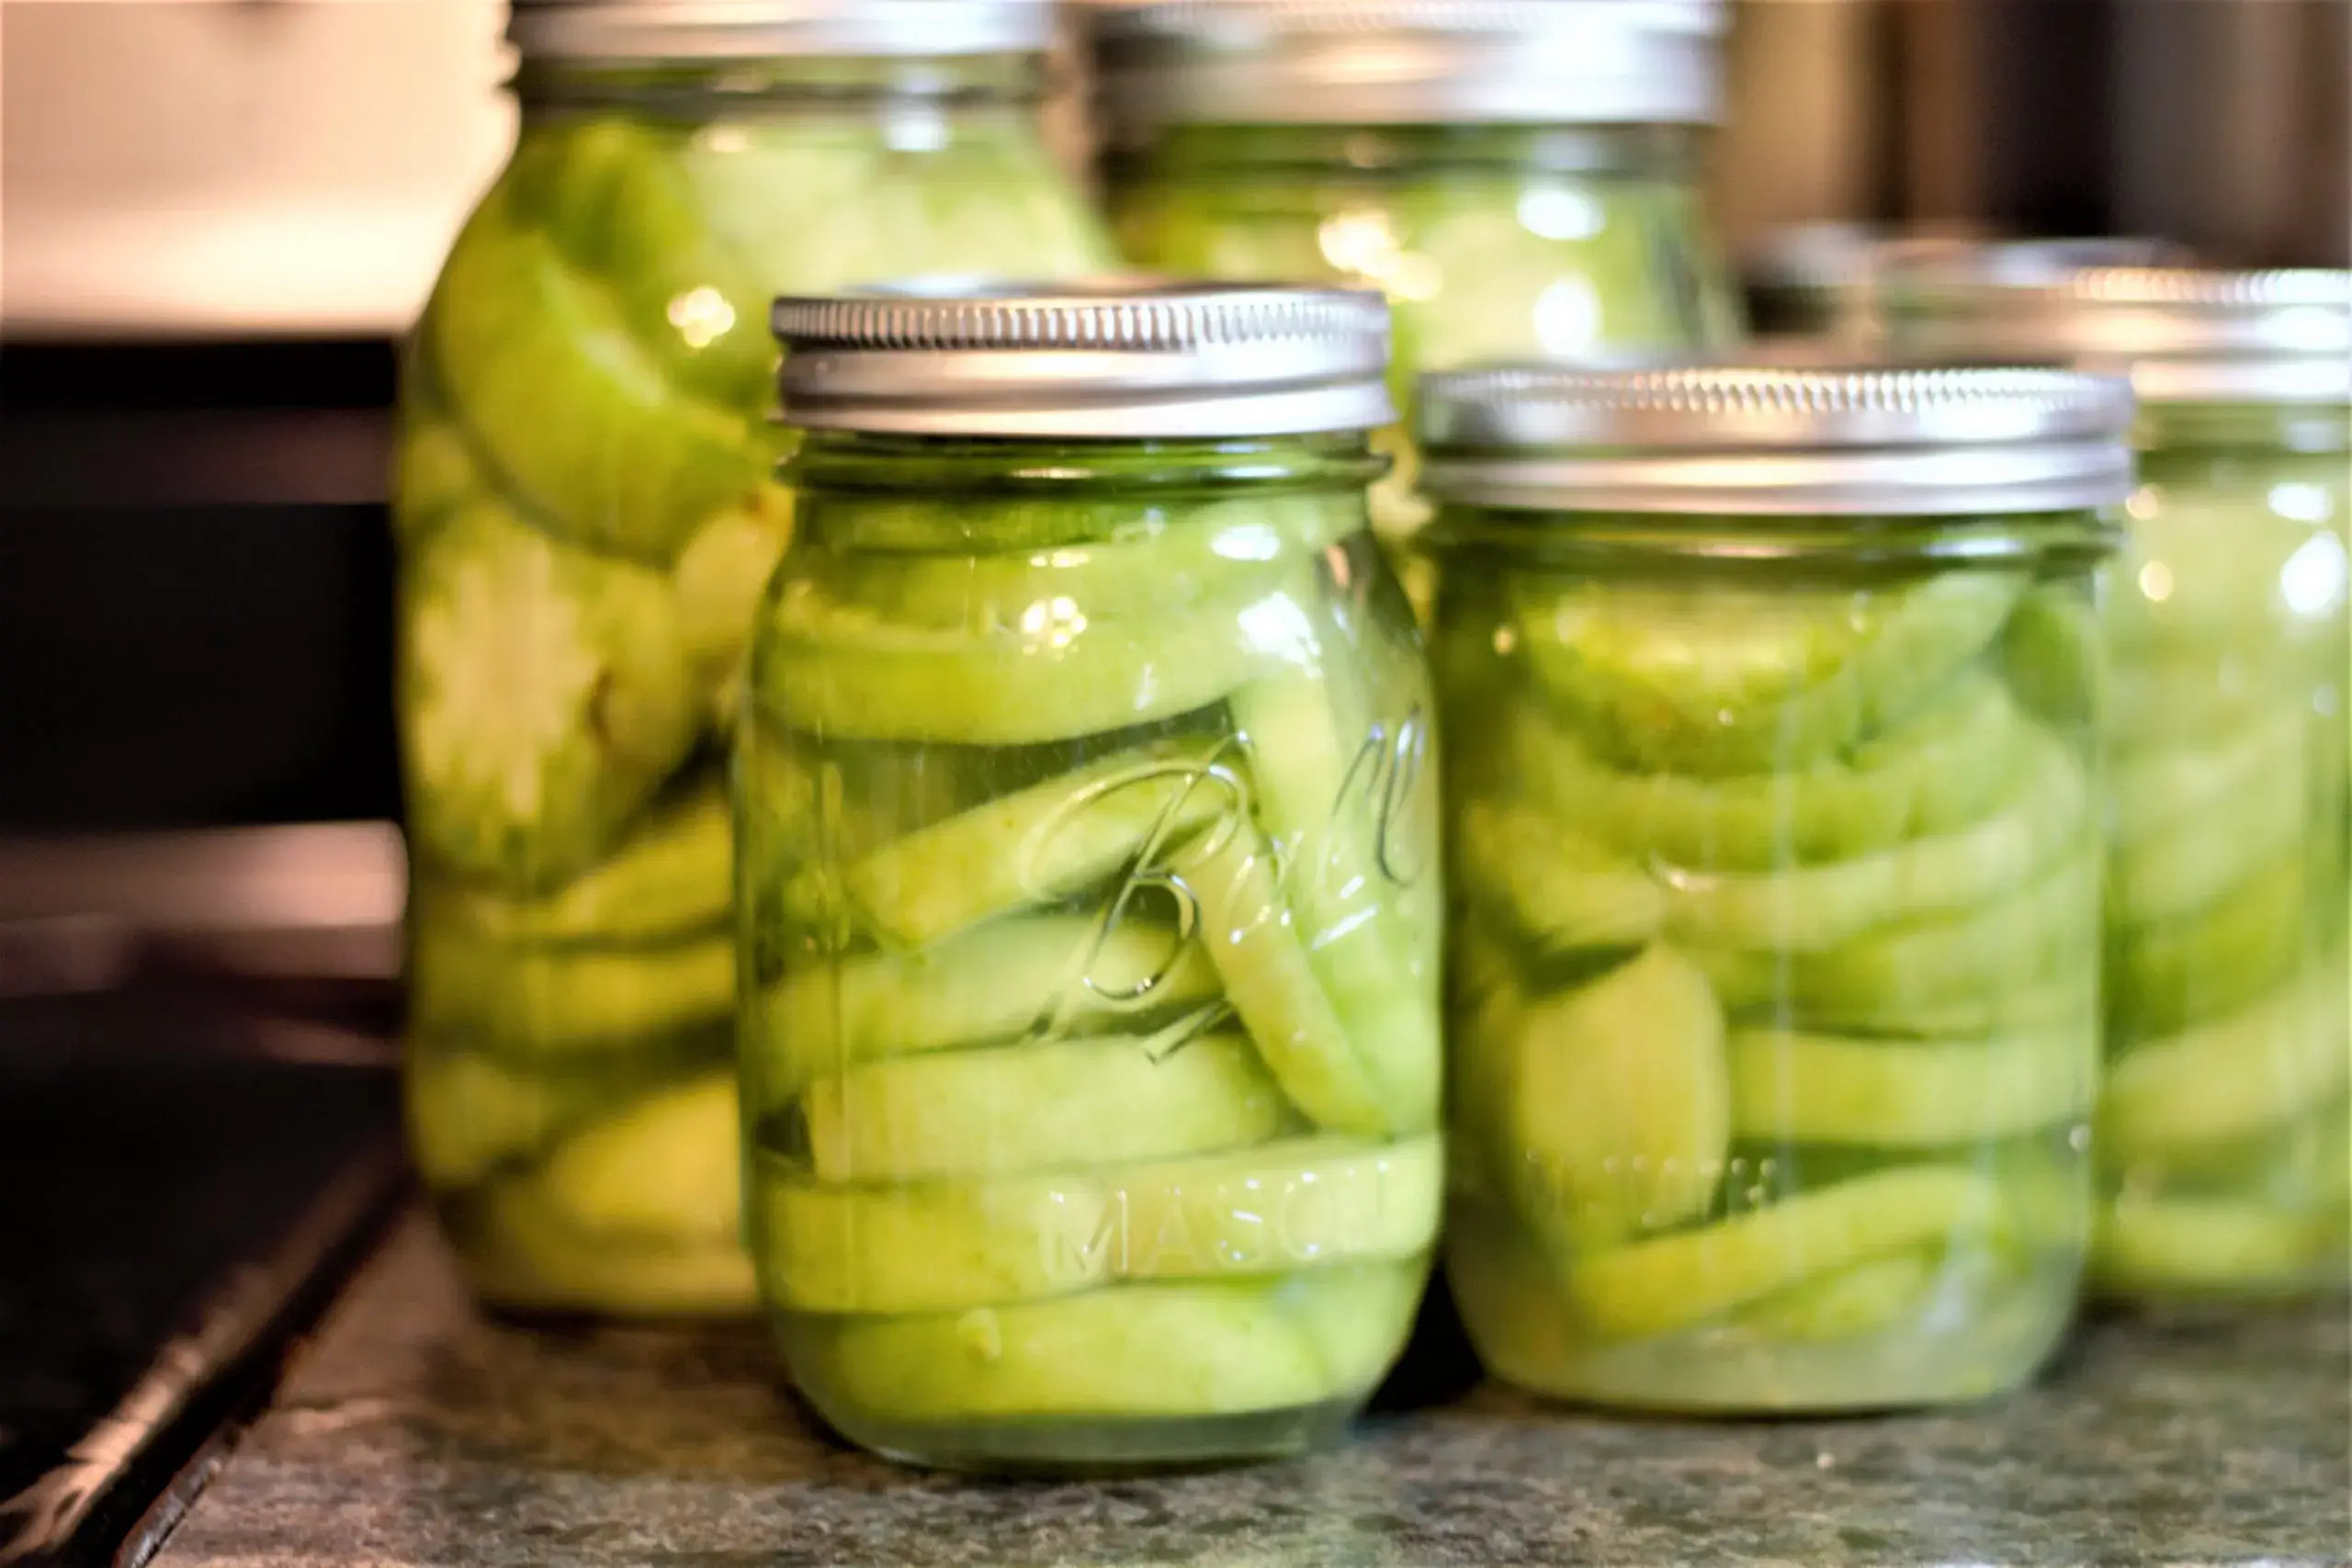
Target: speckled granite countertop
[{"x": 412, "y": 1433}]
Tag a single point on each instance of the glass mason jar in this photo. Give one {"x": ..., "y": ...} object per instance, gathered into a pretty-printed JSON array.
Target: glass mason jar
[
  {"x": 2224, "y": 1135},
  {"x": 1773, "y": 844},
  {"x": 1523, "y": 181},
  {"x": 585, "y": 515},
  {"x": 1089, "y": 899}
]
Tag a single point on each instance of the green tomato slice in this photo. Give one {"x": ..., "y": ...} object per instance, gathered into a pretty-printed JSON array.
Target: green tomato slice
[
  {"x": 1817, "y": 1089},
  {"x": 1133, "y": 1351},
  {"x": 522, "y": 1252},
  {"x": 2223, "y": 1079},
  {"x": 938, "y": 1247},
  {"x": 1938, "y": 769},
  {"x": 544, "y": 695},
  {"x": 2197, "y": 859},
  {"x": 576, "y": 415},
  {"x": 1620, "y": 1101},
  {"x": 1680, "y": 680},
  {"x": 1811, "y": 908},
  {"x": 1554, "y": 889},
  {"x": 2218, "y": 1246},
  {"x": 841, "y": 672},
  {"x": 1042, "y": 974},
  {"x": 1665, "y": 1284},
  {"x": 525, "y": 1003},
  {"x": 1035, "y": 846},
  {"x": 2168, "y": 974},
  {"x": 670, "y": 878},
  {"x": 1851, "y": 1303},
  {"x": 1931, "y": 966},
  {"x": 2150, "y": 790},
  {"x": 669, "y": 1165},
  {"x": 468, "y": 1114},
  {"x": 1037, "y": 1106}
]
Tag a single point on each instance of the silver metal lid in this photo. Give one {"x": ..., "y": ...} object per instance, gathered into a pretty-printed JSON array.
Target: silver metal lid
[
  {"x": 1851, "y": 440},
  {"x": 1411, "y": 61},
  {"x": 2184, "y": 334},
  {"x": 749, "y": 29},
  {"x": 1120, "y": 359}
]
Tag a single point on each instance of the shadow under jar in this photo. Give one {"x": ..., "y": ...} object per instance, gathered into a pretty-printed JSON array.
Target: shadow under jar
[
  {"x": 1521, "y": 180},
  {"x": 2224, "y": 1134},
  {"x": 1773, "y": 849},
  {"x": 586, "y": 512},
  {"x": 1088, "y": 881}
]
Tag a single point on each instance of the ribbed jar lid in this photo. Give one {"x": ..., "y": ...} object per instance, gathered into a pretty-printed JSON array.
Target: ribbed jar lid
[
  {"x": 1411, "y": 61},
  {"x": 2184, "y": 334},
  {"x": 1118, "y": 359},
  {"x": 657, "y": 30},
  {"x": 1849, "y": 440}
]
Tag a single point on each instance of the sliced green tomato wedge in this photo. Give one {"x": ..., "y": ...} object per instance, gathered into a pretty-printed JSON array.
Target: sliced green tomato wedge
[
  {"x": 2220, "y": 1080},
  {"x": 1680, "y": 680},
  {"x": 1187, "y": 555},
  {"x": 1939, "y": 769},
  {"x": 2218, "y": 1246},
  {"x": 572, "y": 412},
  {"x": 470, "y": 1113},
  {"x": 1556, "y": 890},
  {"x": 1341, "y": 793},
  {"x": 614, "y": 196},
  {"x": 527, "y": 1002},
  {"x": 1619, "y": 1104},
  {"x": 544, "y": 695},
  {"x": 2053, "y": 654},
  {"x": 1128, "y": 1352},
  {"x": 1379, "y": 1083},
  {"x": 1809, "y": 908},
  {"x": 719, "y": 576},
  {"x": 1930, "y": 966},
  {"x": 1818, "y": 1088},
  {"x": 2199, "y": 858},
  {"x": 2168, "y": 974},
  {"x": 1669, "y": 1283},
  {"x": 843, "y": 672},
  {"x": 1037, "y": 1107},
  {"x": 669, "y": 1166},
  {"x": 1035, "y": 846},
  {"x": 432, "y": 470},
  {"x": 938, "y": 1247},
  {"x": 2062, "y": 989},
  {"x": 521, "y": 1252},
  {"x": 669, "y": 878},
  {"x": 2152, "y": 789},
  {"x": 1852, "y": 1303},
  {"x": 994, "y": 983}
]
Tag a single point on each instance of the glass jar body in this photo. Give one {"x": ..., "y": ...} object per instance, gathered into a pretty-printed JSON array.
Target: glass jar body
[
  {"x": 1089, "y": 928},
  {"x": 1773, "y": 953},
  {"x": 585, "y": 515},
  {"x": 1491, "y": 242},
  {"x": 2223, "y": 1125}
]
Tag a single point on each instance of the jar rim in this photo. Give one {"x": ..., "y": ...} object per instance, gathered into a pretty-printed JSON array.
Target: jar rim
[
  {"x": 646, "y": 31},
  {"x": 2183, "y": 333},
  {"x": 1402, "y": 62},
  {"x": 1843, "y": 438},
  {"x": 1112, "y": 357}
]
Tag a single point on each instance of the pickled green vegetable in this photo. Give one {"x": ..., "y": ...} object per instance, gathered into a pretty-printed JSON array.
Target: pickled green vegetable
[
  {"x": 1094, "y": 1053},
  {"x": 2229, "y": 1049},
  {"x": 1486, "y": 249},
  {"x": 1776, "y": 951},
  {"x": 588, "y": 514}
]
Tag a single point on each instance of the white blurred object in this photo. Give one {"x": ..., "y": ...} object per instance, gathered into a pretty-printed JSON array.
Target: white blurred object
[{"x": 214, "y": 167}]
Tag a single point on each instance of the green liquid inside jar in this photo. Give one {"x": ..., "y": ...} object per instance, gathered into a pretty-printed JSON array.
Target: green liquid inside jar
[
  {"x": 1089, "y": 922},
  {"x": 587, "y": 512},
  {"x": 1774, "y": 981},
  {"x": 2223, "y": 1125}
]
